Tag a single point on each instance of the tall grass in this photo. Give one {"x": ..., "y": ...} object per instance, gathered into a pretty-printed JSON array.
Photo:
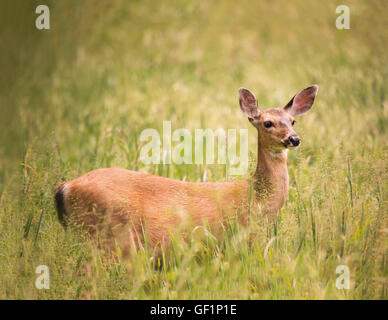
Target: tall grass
[{"x": 78, "y": 96}]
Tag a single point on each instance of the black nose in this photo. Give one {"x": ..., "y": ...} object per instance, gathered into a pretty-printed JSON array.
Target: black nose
[{"x": 294, "y": 140}]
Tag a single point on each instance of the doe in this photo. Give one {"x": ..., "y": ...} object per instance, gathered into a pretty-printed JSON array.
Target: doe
[{"x": 127, "y": 205}]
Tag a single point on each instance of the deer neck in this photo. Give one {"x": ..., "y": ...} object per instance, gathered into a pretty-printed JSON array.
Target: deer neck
[{"x": 271, "y": 179}]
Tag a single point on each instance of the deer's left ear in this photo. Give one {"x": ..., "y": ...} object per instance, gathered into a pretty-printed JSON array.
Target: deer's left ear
[
  {"x": 248, "y": 103},
  {"x": 302, "y": 102}
]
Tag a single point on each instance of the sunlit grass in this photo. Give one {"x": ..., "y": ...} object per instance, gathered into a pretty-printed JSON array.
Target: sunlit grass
[{"x": 140, "y": 63}]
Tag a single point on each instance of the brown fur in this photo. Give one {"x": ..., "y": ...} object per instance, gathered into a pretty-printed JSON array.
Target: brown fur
[{"x": 121, "y": 199}]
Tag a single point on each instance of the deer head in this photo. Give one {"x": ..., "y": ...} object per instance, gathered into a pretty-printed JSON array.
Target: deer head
[{"x": 276, "y": 126}]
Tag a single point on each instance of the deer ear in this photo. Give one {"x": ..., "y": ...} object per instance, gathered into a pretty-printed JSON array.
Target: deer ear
[
  {"x": 248, "y": 103},
  {"x": 302, "y": 102}
]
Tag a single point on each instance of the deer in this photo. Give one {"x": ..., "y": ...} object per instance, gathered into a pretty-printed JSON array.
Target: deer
[{"x": 125, "y": 205}]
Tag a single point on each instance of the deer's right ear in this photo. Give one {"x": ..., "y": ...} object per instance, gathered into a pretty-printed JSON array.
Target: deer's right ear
[{"x": 248, "y": 103}]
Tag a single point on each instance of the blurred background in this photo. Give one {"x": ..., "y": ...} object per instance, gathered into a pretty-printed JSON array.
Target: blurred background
[
  {"x": 76, "y": 97},
  {"x": 117, "y": 65}
]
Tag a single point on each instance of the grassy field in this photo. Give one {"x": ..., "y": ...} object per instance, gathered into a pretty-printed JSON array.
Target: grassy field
[{"x": 76, "y": 97}]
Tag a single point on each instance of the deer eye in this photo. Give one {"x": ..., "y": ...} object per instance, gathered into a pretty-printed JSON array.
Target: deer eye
[
  {"x": 293, "y": 122},
  {"x": 268, "y": 124}
]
